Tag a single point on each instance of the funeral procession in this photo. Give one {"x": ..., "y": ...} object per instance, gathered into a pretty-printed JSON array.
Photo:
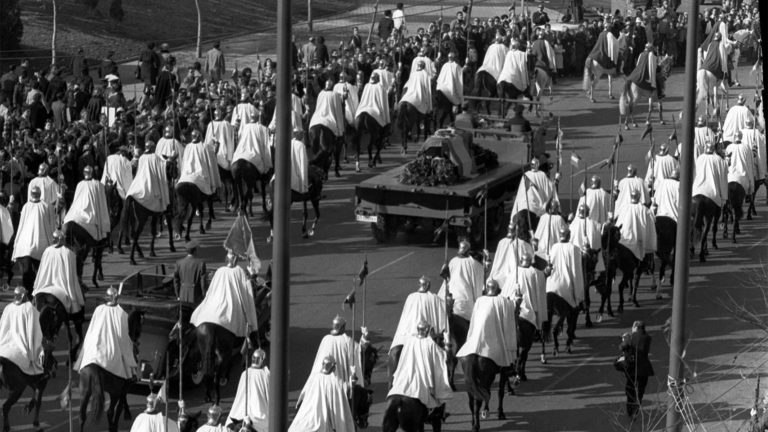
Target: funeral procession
[{"x": 537, "y": 215}]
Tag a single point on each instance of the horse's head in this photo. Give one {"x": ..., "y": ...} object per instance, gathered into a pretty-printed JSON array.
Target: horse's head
[
  {"x": 370, "y": 356},
  {"x": 50, "y": 321},
  {"x": 362, "y": 399}
]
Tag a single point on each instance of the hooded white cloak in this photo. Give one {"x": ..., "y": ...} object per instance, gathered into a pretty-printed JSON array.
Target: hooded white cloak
[
  {"x": 328, "y": 112},
  {"x": 170, "y": 147},
  {"x": 150, "y": 186},
  {"x": 756, "y": 141},
  {"x": 21, "y": 339},
  {"x": 35, "y": 231},
  {"x": 660, "y": 168},
  {"x": 465, "y": 284},
  {"x": 493, "y": 62},
  {"x": 49, "y": 190},
  {"x": 253, "y": 147},
  {"x": 422, "y": 373},
  {"x": 241, "y": 115},
  {"x": 531, "y": 286},
  {"x": 341, "y": 348},
  {"x": 299, "y": 167},
  {"x": 667, "y": 198},
  {"x": 429, "y": 65},
  {"x": 638, "y": 230},
  {"x": 451, "y": 82},
  {"x": 107, "y": 342},
  {"x": 492, "y": 332},
  {"x": 375, "y": 102},
  {"x": 599, "y": 201},
  {"x": 419, "y": 306},
  {"x": 223, "y": 132},
  {"x": 515, "y": 70},
  {"x": 418, "y": 91},
  {"x": 585, "y": 234},
  {"x": 157, "y": 422},
  {"x": 118, "y": 169},
  {"x": 386, "y": 78},
  {"x": 352, "y": 102},
  {"x": 57, "y": 276},
  {"x": 735, "y": 121},
  {"x": 539, "y": 190},
  {"x": 711, "y": 178},
  {"x": 741, "y": 166},
  {"x": 199, "y": 167},
  {"x": 258, "y": 399},
  {"x": 89, "y": 209},
  {"x": 228, "y": 302},
  {"x": 567, "y": 278},
  {"x": 626, "y": 186},
  {"x": 505, "y": 261},
  {"x": 324, "y": 408},
  {"x": 548, "y": 233}
]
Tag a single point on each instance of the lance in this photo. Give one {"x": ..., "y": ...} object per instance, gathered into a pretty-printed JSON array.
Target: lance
[
  {"x": 60, "y": 179},
  {"x": 69, "y": 383},
  {"x": 485, "y": 233},
  {"x": 570, "y": 187},
  {"x": 167, "y": 392},
  {"x": 352, "y": 360},
  {"x": 373, "y": 22},
  {"x": 446, "y": 278},
  {"x": 180, "y": 367},
  {"x": 466, "y": 37}
]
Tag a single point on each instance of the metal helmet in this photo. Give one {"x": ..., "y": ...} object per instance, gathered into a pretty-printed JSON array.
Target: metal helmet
[
  {"x": 58, "y": 236},
  {"x": 87, "y": 172},
  {"x": 526, "y": 260},
  {"x": 374, "y": 78},
  {"x": 534, "y": 164},
  {"x": 338, "y": 326},
  {"x": 258, "y": 358},
  {"x": 35, "y": 194},
  {"x": 492, "y": 288},
  {"x": 111, "y": 296},
  {"x": 701, "y": 121},
  {"x": 631, "y": 170},
  {"x": 329, "y": 364},
  {"x": 663, "y": 149},
  {"x": 741, "y": 100},
  {"x": 564, "y": 234},
  {"x": 738, "y": 136},
  {"x": 583, "y": 210},
  {"x": 214, "y": 413},
  {"x": 749, "y": 123},
  {"x": 634, "y": 196},
  {"x": 422, "y": 329},
  {"x": 464, "y": 247},
  {"x": 42, "y": 170},
  {"x": 195, "y": 134},
  {"x": 595, "y": 182},
  {"x": 168, "y": 131},
  {"x": 553, "y": 207},
  {"x": 149, "y": 146},
  {"x": 709, "y": 147},
  {"x": 424, "y": 284},
  {"x": 19, "y": 295},
  {"x": 151, "y": 402},
  {"x": 231, "y": 258}
]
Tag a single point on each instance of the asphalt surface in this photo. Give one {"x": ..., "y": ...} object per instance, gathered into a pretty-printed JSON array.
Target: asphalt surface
[{"x": 573, "y": 392}]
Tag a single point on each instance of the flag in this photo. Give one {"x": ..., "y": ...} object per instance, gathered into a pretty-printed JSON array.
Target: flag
[
  {"x": 575, "y": 159},
  {"x": 349, "y": 299},
  {"x": 445, "y": 272},
  {"x": 616, "y": 142},
  {"x": 442, "y": 229},
  {"x": 648, "y": 130},
  {"x": 240, "y": 241},
  {"x": 162, "y": 394},
  {"x": 363, "y": 271},
  {"x": 673, "y": 137}
]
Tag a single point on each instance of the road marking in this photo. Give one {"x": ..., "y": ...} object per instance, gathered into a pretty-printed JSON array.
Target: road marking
[
  {"x": 391, "y": 263},
  {"x": 569, "y": 373},
  {"x": 758, "y": 243}
]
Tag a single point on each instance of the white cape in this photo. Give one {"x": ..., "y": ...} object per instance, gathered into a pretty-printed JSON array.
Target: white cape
[
  {"x": 6, "y": 226},
  {"x": 638, "y": 230},
  {"x": 493, "y": 61},
  {"x": 492, "y": 331},
  {"x": 35, "y": 231},
  {"x": 599, "y": 201},
  {"x": 57, "y": 276},
  {"x": 21, "y": 340},
  {"x": 419, "y": 306},
  {"x": 199, "y": 167},
  {"x": 299, "y": 167},
  {"x": 325, "y": 407},
  {"x": 228, "y": 302},
  {"x": 756, "y": 141},
  {"x": 418, "y": 91},
  {"x": 49, "y": 189},
  {"x": 421, "y": 373},
  {"x": 667, "y": 198},
  {"x": 328, "y": 112},
  {"x": 567, "y": 278},
  {"x": 89, "y": 209},
  {"x": 585, "y": 233},
  {"x": 223, "y": 132},
  {"x": 548, "y": 233},
  {"x": 659, "y": 168},
  {"x": 711, "y": 178},
  {"x": 107, "y": 343},
  {"x": 374, "y": 101},
  {"x": 741, "y": 166},
  {"x": 258, "y": 399},
  {"x": 507, "y": 258},
  {"x": 153, "y": 423},
  {"x": 539, "y": 190},
  {"x": 626, "y": 186},
  {"x": 451, "y": 82},
  {"x": 429, "y": 65},
  {"x": 352, "y": 102},
  {"x": 735, "y": 121},
  {"x": 242, "y": 114},
  {"x": 253, "y": 147},
  {"x": 119, "y": 170},
  {"x": 150, "y": 186},
  {"x": 531, "y": 287},
  {"x": 341, "y": 348},
  {"x": 465, "y": 285},
  {"x": 515, "y": 70},
  {"x": 170, "y": 147}
]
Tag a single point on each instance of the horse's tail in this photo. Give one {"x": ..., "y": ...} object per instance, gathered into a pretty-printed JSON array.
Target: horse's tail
[
  {"x": 392, "y": 414},
  {"x": 93, "y": 386},
  {"x": 207, "y": 349},
  {"x": 626, "y": 98},
  {"x": 587, "y": 74},
  {"x": 698, "y": 218},
  {"x": 126, "y": 219}
]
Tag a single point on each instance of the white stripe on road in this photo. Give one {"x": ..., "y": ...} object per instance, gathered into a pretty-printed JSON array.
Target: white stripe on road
[
  {"x": 758, "y": 243},
  {"x": 391, "y": 263}
]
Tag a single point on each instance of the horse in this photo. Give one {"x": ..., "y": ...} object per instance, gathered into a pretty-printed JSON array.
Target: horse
[
  {"x": 12, "y": 377},
  {"x": 633, "y": 92},
  {"x": 443, "y": 108},
  {"x": 619, "y": 257},
  {"x": 567, "y": 314},
  {"x": 507, "y": 90},
  {"x": 62, "y": 316},
  {"x": 313, "y": 194},
  {"x": 704, "y": 211},
  {"x": 409, "y": 117},
  {"x": 227, "y": 186},
  {"x": 326, "y": 147},
  {"x": 115, "y": 205},
  {"x": 189, "y": 194},
  {"x": 80, "y": 240},
  {"x": 479, "y": 374},
  {"x": 593, "y": 71},
  {"x": 485, "y": 84},
  {"x": 526, "y": 222},
  {"x": 376, "y": 132},
  {"x": 542, "y": 80},
  {"x": 733, "y": 210},
  {"x": 708, "y": 87},
  {"x": 217, "y": 346},
  {"x": 247, "y": 178},
  {"x": 95, "y": 380},
  {"x": 666, "y": 232},
  {"x": 751, "y": 208},
  {"x": 410, "y": 415}
]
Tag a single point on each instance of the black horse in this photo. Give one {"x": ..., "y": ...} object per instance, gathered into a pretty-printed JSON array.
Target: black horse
[
  {"x": 410, "y": 415},
  {"x": 80, "y": 240},
  {"x": 61, "y": 316},
  {"x": 376, "y": 133},
  {"x": 443, "y": 109},
  {"x": 734, "y": 209},
  {"x": 95, "y": 380},
  {"x": 326, "y": 147},
  {"x": 17, "y": 381},
  {"x": 313, "y": 195},
  {"x": 666, "y": 232},
  {"x": 115, "y": 205},
  {"x": 189, "y": 195},
  {"x": 619, "y": 257},
  {"x": 247, "y": 178},
  {"x": 485, "y": 85},
  {"x": 217, "y": 347},
  {"x": 751, "y": 208},
  {"x": 507, "y": 90},
  {"x": 705, "y": 216},
  {"x": 409, "y": 117},
  {"x": 479, "y": 374},
  {"x": 567, "y": 315}
]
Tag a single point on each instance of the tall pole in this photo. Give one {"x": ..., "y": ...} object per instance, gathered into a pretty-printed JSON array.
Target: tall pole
[
  {"x": 682, "y": 264},
  {"x": 281, "y": 266},
  {"x": 309, "y": 15},
  {"x": 53, "y": 36},
  {"x": 198, "y": 50}
]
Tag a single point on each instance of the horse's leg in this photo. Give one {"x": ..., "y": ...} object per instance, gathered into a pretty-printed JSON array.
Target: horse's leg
[
  {"x": 503, "y": 382},
  {"x": 610, "y": 87},
  {"x": 153, "y": 228},
  {"x": 304, "y": 233},
  {"x": 316, "y": 207},
  {"x": 571, "y": 320},
  {"x": 202, "y": 214},
  {"x": 622, "y": 286},
  {"x": 13, "y": 396},
  {"x": 36, "y": 402},
  {"x": 112, "y": 419}
]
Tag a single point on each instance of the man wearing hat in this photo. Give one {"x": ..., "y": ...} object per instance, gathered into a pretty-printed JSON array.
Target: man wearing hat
[{"x": 189, "y": 278}]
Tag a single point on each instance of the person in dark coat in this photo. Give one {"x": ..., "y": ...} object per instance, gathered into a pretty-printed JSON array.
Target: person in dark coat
[
  {"x": 79, "y": 64},
  {"x": 636, "y": 346},
  {"x": 149, "y": 65},
  {"x": 108, "y": 66},
  {"x": 38, "y": 114},
  {"x": 55, "y": 86},
  {"x": 386, "y": 24},
  {"x": 189, "y": 278}
]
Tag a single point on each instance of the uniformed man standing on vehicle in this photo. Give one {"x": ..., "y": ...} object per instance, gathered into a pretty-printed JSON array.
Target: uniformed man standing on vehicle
[{"x": 189, "y": 279}]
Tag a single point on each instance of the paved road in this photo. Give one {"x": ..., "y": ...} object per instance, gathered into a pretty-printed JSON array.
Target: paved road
[{"x": 576, "y": 392}]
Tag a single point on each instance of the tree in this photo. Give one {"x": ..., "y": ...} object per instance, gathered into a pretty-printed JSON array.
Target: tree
[{"x": 11, "y": 27}]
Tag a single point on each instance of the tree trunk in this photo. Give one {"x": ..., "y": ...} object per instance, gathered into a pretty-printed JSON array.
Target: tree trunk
[
  {"x": 53, "y": 37},
  {"x": 199, "y": 29}
]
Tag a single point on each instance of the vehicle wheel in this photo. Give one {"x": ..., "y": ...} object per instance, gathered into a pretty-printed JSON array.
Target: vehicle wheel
[
  {"x": 385, "y": 230},
  {"x": 193, "y": 371}
]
